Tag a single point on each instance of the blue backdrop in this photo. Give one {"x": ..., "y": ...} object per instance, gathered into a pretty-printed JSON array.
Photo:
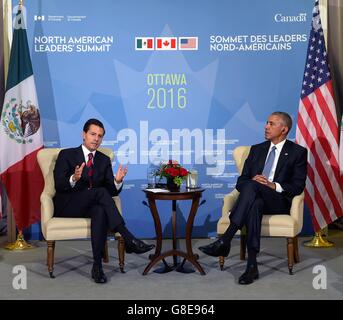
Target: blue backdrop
[{"x": 245, "y": 59}]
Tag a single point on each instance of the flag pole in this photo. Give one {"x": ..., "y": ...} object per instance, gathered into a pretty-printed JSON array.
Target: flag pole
[{"x": 318, "y": 241}]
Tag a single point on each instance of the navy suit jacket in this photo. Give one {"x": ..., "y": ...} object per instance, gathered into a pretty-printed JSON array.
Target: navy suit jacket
[
  {"x": 66, "y": 162},
  {"x": 291, "y": 169}
]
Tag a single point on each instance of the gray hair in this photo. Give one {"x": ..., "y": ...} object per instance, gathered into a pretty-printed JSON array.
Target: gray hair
[{"x": 286, "y": 119}]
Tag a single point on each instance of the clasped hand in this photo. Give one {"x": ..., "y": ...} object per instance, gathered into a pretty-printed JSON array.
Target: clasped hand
[{"x": 263, "y": 180}]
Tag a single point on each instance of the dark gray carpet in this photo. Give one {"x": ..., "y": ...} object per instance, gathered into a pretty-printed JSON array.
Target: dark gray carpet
[{"x": 73, "y": 263}]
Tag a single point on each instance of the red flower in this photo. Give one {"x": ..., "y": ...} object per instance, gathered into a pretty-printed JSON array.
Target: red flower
[
  {"x": 183, "y": 172},
  {"x": 172, "y": 169}
]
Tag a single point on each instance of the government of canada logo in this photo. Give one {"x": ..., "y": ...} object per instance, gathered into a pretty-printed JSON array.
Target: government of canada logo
[{"x": 19, "y": 121}]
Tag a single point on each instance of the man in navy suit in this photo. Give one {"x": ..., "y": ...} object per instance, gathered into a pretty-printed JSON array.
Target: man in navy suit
[
  {"x": 274, "y": 172},
  {"x": 85, "y": 185}
]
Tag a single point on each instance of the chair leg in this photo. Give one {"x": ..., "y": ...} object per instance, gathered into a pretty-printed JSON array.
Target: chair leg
[
  {"x": 121, "y": 253},
  {"x": 296, "y": 250},
  {"x": 290, "y": 254},
  {"x": 221, "y": 262},
  {"x": 243, "y": 246},
  {"x": 105, "y": 258},
  {"x": 51, "y": 257}
]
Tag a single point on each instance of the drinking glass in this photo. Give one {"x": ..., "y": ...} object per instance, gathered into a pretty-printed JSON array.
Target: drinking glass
[{"x": 192, "y": 179}]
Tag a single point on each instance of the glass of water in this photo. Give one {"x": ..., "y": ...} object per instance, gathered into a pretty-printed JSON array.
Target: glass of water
[
  {"x": 151, "y": 177},
  {"x": 192, "y": 179}
]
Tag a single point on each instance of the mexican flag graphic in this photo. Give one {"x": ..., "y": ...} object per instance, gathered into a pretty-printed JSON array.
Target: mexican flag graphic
[{"x": 144, "y": 43}]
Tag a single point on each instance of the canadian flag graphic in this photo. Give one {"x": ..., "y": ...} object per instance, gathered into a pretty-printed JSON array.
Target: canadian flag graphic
[{"x": 166, "y": 43}]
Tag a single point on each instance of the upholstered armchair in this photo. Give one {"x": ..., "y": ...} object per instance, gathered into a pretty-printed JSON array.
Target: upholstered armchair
[
  {"x": 276, "y": 225},
  {"x": 66, "y": 228}
]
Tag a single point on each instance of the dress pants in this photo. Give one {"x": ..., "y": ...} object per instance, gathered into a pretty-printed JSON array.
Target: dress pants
[
  {"x": 254, "y": 200},
  {"x": 97, "y": 204}
]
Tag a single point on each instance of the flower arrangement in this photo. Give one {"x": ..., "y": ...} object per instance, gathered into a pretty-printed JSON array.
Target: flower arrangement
[{"x": 172, "y": 171}]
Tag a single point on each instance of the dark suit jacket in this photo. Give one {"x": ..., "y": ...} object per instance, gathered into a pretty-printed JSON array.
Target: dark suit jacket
[
  {"x": 291, "y": 169},
  {"x": 66, "y": 162}
]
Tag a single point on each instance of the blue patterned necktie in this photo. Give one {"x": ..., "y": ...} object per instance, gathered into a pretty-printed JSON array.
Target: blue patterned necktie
[{"x": 269, "y": 163}]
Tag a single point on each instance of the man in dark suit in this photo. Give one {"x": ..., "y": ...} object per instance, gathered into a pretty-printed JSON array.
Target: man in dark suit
[
  {"x": 274, "y": 172},
  {"x": 85, "y": 185}
]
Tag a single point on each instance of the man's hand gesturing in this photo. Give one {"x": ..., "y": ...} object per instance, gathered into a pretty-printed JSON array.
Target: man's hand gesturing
[
  {"x": 121, "y": 173},
  {"x": 78, "y": 172}
]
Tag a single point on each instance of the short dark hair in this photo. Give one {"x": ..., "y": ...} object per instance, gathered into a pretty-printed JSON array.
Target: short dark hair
[
  {"x": 96, "y": 122},
  {"x": 286, "y": 118}
]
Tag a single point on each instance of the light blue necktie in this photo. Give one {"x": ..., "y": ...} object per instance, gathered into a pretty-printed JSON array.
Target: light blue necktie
[{"x": 269, "y": 163}]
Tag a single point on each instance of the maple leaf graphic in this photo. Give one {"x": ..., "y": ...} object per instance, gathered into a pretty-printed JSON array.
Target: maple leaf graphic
[{"x": 166, "y": 43}]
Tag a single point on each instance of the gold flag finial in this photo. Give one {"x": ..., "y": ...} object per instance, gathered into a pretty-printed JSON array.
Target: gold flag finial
[{"x": 21, "y": 3}]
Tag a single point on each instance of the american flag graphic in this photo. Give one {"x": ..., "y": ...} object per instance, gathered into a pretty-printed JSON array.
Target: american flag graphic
[
  {"x": 188, "y": 43},
  {"x": 317, "y": 130}
]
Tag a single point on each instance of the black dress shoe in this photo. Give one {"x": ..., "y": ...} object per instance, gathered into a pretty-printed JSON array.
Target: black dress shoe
[
  {"x": 216, "y": 249},
  {"x": 250, "y": 274},
  {"x": 98, "y": 274},
  {"x": 137, "y": 246}
]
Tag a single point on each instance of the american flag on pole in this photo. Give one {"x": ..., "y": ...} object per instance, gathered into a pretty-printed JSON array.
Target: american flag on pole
[
  {"x": 341, "y": 148},
  {"x": 0, "y": 201},
  {"x": 317, "y": 130}
]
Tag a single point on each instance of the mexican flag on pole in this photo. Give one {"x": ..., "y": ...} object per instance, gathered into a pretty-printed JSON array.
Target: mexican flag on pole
[{"x": 20, "y": 132}]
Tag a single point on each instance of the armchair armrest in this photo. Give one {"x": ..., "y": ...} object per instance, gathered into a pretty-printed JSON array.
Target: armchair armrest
[
  {"x": 117, "y": 201},
  {"x": 228, "y": 203},
  {"x": 47, "y": 211},
  {"x": 297, "y": 210},
  {"x": 229, "y": 200}
]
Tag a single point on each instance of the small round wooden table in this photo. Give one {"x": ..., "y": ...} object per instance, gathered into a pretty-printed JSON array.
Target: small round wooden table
[{"x": 187, "y": 194}]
